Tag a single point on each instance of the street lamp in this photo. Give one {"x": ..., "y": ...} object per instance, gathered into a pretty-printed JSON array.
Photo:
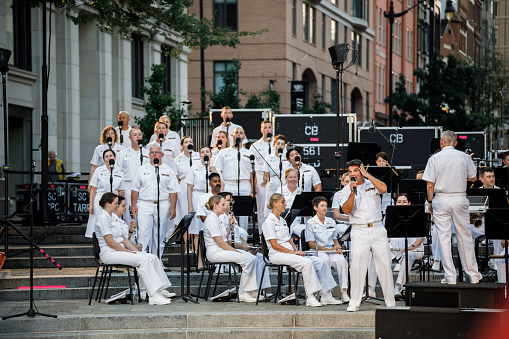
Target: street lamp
[
  {"x": 391, "y": 16},
  {"x": 449, "y": 10}
]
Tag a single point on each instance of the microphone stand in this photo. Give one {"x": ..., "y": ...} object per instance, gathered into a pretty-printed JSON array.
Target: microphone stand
[
  {"x": 238, "y": 169},
  {"x": 253, "y": 191},
  {"x": 158, "y": 214},
  {"x": 281, "y": 171},
  {"x": 206, "y": 175},
  {"x": 111, "y": 178}
]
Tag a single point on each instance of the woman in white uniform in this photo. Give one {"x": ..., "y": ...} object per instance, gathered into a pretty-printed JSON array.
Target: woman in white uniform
[
  {"x": 308, "y": 176},
  {"x": 197, "y": 184},
  {"x": 100, "y": 184},
  {"x": 117, "y": 250},
  {"x": 271, "y": 170},
  {"x": 97, "y": 157},
  {"x": 282, "y": 251},
  {"x": 321, "y": 235},
  {"x": 183, "y": 163},
  {"x": 127, "y": 231},
  {"x": 222, "y": 142},
  {"x": 290, "y": 191},
  {"x": 218, "y": 249}
]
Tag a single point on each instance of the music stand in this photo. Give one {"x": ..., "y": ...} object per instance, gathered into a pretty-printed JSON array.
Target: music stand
[
  {"x": 497, "y": 227},
  {"x": 497, "y": 198},
  {"x": 244, "y": 207},
  {"x": 178, "y": 236},
  {"x": 388, "y": 175},
  {"x": 502, "y": 177},
  {"x": 364, "y": 151},
  {"x": 405, "y": 221},
  {"x": 416, "y": 190},
  {"x": 302, "y": 204}
]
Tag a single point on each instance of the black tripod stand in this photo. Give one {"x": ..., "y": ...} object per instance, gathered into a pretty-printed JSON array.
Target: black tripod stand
[{"x": 31, "y": 312}]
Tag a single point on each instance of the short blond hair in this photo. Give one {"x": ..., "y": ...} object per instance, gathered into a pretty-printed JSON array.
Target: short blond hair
[
  {"x": 290, "y": 170},
  {"x": 213, "y": 200}
]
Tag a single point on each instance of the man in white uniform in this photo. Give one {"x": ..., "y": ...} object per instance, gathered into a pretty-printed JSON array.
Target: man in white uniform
[
  {"x": 446, "y": 174},
  {"x": 215, "y": 188},
  {"x": 129, "y": 160},
  {"x": 260, "y": 149},
  {"x": 226, "y": 126},
  {"x": 170, "y": 148},
  {"x": 144, "y": 201},
  {"x": 361, "y": 201},
  {"x": 169, "y": 134},
  {"x": 124, "y": 118}
]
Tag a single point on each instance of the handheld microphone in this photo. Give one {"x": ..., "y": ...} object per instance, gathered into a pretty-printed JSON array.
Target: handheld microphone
[
  {"x": 109, "y": 141},
  {"x": 156, "y": 162},
  {"x": 355, "y": 188},
  {"x": 161, "y": 137},
  {"x": 371, "y": 129},
  {"x": 140, "y": 142},
  {"x": 112, "y": 164},
  {"x": 252, "y": 159},
  {"x": 190, "y": 147},
  {"x": 297, "y": 160},
  {"x": 206, "y": 160},
  {"x": 237, "y": 142},
  {"x": 120, "y": 125},
  {"x": 219, "y": 144}
]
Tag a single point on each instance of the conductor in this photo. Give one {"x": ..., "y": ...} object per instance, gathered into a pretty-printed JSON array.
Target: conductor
[{"x": 446, "y": 174}]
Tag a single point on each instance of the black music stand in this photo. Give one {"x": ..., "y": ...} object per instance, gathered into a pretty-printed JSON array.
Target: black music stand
[
  {"x": 364, "y": 151},
  {"x": 497, "y": 198},
  {"x": 416, "y": 190},
  {"x": 387, "y": 175},
  {"x": 497, "y": 227},
  {"x": 502, "y": 177},
  {"x": 178, "y": 236},
  {"x": 302, "y": 205},
  {"x": 405, "y": 221},
  {"x": 244, "y": 207}
]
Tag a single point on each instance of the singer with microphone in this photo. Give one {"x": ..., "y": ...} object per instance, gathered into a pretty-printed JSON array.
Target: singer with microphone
[
  {"x": 227, "y": 126},
  {"x": 170, "y": 147},
  {"x": 169, "y": 134},
  {"x": 361, "y": 201},
  {"x": 129, "y": 160},
  {"x": 183, "y": 163},
  {"x": 308, "y": 176},
  {"x": 221, "y": 143},
  {"x": 123, "y": 128},
  {"x": 106, "y": 178},
  {"x": 145, "y": 202},
  {"x": 109, "y": 140}
]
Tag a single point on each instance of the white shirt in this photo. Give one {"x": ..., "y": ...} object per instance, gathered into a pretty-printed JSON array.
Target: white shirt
[
  {"x": 311, "y": 177},
  {"x": 101, "y": 180},
  {"x": 226, "y": 163},
  {"x": 449, "y": 169},
  {"x": 289, "y": 196},
  {"x": 323, "y": 234},
  {"x": 104, "y": 227},
  {"x": 129, "y": 161},
  {"x": 145, "y": 182},
  {"x": 171, "y": 135},
  {"x": 274, "y": 228},
  {"x": 272, "y": 167},
  {"x": 182, "y": 164},
  {"x": 120, "y": 224},
  {"x": 212, "y": 227},
  {"x": 125, "y": 136},
  {"x": 170, "y": 149},
  {"x": 97, "y": 157},
  {"x": 197, "y": 176},
  {"x": 229, "y": 132},
  {"x": 367, "y": 206},
  {"x": 260, "y": 149},
  {"x": 201, "y": 210},
  {"x": 239, "y": 231}
]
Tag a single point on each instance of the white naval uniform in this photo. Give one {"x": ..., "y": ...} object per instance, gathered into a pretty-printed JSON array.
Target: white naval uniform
[
  {"x": 240, "y": 234},
  {"x": 316, "y": 273},
  {"x": 197, "y": 177},
  {"x": 171, "y": 135},
  {"x": 324, "y": 235},
  {"x": 101, "y": 180},
  {"x": 170, "y": 148},
  {"x": 272, "y": 167},
  {"x": 365, "y": 239},
  {"x": 449, "y": 169},
  {"x": 125, "y": 136},
  {"x": 97, "y": 157},
  {"x": 182, "y": 164},
  {"x": 148, "y": 265},
  {"x": 201, "y": 210},
  {"x": 129, "y": 161},
  {"x": 413, "y": 255},
  {"x": 260, "y": 149},
  {"x": 212, "y": 227},
  {"x": 298, "y": 224},
  {"x": 229, "y": 132},
  {"x": 145, "y": 183},
  {"x": 311, "y": 177}
]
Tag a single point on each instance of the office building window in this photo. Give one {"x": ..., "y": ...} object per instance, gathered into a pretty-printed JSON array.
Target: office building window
[
  {"x": 357, "y": 8},
  {"x": 226, "y": 14},
  {"x": 367, "y": 107},
  {"x": 334, "y": 32},
  {"x": 357, "y": 44},
  {"x": 367, "y": 55},
  {"x": 382, "y": 98},
  {"x": 166, "y": 59},
  {"x": 323, "y": 87},
  {"x": 305, "y": 21},
  {"x": 309, "y": 23},
  {"x": 312, "y": 25},
  {"x": 18, "y": 29},
  {"x": 294, "y": 71},
  {"x": 384, "y": 25},
  {"x": 136, "y": 65},
  {"x": 219, "y": 68},
  {"x": 323, "y": 31},
  {"x": 294, "y": 17}
]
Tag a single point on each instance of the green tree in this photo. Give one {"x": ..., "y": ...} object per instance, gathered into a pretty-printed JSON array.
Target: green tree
[
  {"x": 266, "y": 99},
  {"x": 409, "y": 105},
  {"x": 157, "y": 103},
  {"x": 229, "y": 92},
  {"x": 318, "y": 106},
  {"x": 151, "y": 17}
]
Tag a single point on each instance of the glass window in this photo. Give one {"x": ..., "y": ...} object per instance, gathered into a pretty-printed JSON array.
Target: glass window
[
  {"x": 136, "y": 65},
  {"x": 323, "y": 31},
  {"x": 312, "y": 25},
  {"x": 226, "y": 14},
  {"x": 294, "y": 17},
  {"x": 166, "y": 59},
  {"x": 18, "y": 29},
  {"x": 367, "y": 55},
  {"x": 334, "y": 32},
  {"x": 305, "y": 21},
  {"x": 219, "y": 68},
  {"x": 357, "y": 44}
]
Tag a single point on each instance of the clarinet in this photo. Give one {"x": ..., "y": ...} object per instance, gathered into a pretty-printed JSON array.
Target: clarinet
[
  {"x": 135, "y": 229},
  {"x": 232, "y": 225}
]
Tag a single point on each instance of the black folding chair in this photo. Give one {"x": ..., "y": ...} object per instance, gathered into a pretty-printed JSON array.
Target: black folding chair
[{"x": 106, "y": 275}]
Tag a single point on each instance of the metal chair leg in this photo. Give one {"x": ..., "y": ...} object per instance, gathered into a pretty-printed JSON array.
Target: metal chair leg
[
  {"x": 130, "y": 286},
  {"x": 93, "y": 285}
]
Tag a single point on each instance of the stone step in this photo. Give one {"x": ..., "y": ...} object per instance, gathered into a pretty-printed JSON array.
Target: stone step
[{"x": 59, "y": 229}]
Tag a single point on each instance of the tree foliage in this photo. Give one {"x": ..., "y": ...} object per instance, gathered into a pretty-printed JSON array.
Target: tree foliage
[
  {"x": 229, "y": 92},
  {"x": 157, "y": 103},
  {"x": 151, "y": 18},
  {"x": 266, "y": 99},
  {"x": 318, "y": 106}
]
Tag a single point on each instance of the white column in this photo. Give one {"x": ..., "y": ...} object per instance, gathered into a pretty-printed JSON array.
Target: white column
[{"x": 122, "y": 78}]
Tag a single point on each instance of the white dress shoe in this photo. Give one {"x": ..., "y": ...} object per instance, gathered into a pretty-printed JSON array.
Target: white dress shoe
[
  {"x": 351, "y": 308},
  {"x": 397, "y": 267},
  {"x": 436, "y": 266},
  {"x": 245, "y": 297},
  {"x": 159, "y": 300},
  {"x": 312, "y": 301},
  {"x": 167, "y": 294},
  {"x": 344, "y": 296},
  {"x": 445, "y": 281},
  {"x": 476, "y": 279},
  {"x": 328, "y": 299},
  {"x": 372, "y": 293}
]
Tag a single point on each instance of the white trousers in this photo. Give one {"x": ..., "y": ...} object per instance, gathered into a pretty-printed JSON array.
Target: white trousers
[
  {"x": 181, "y": 210},
  {"x": 364, "y": 240},
  {"x": 149, "y": 267},
  {"x": 501, "y": 273},
  {"x": 371, "y": 274},
  {"x": 245, "y": 189},
  {"x": 338, "y": 262},
  {"x": 412, "y": 256},
  {"x": 259, "y": 267},
  {"x": 147, "y": 225},
  {"x": 127, "y": 196},
  {"x": 92, "y": 218},
  {"x": 196, "y": 225},
  {"x": 316, "y": 273},
  {"x": 260, "y": 200},
  {"x": 248, "y": 262},
  {"x": 455, "y": 206},
  {"x": 435, "y": 244}
]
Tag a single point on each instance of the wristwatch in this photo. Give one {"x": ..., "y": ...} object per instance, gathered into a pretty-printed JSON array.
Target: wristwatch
[{"x": 429, "y": 201}]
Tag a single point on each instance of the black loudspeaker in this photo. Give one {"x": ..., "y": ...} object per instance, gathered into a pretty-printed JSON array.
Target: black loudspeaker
[
  {"x": 401, "y": 322},
  {"x": 483, "y": 295},
  {"x": 434, "y": 301},
  {"x": 338, "y": 53}
]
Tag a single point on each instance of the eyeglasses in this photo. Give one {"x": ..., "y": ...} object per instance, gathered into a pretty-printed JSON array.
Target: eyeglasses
[{"x": 155, "y": 152}]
